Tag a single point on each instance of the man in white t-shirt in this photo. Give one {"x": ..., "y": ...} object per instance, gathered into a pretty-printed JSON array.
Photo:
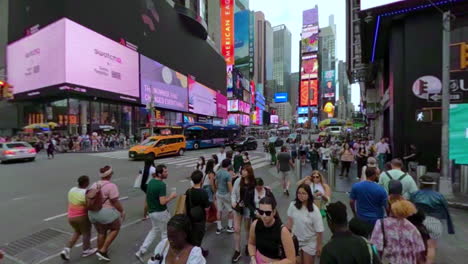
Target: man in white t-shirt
[
  {"x": 222, "y": 154},
  {"x": 382, "y": 151}
]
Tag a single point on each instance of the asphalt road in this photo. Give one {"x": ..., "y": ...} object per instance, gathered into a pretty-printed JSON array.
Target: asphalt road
[{"x": 33, "y": 226}]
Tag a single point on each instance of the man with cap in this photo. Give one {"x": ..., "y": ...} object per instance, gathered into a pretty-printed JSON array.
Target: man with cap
[
  {"x": 368, "y": 199},
  {"x": 396, "y": 173},
  {"x": 434, "y": 205}
]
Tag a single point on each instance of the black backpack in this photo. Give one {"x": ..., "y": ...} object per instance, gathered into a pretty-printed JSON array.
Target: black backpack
[
  {"x": 196, "y": 213},
  {"x": 399, "y": 179}
]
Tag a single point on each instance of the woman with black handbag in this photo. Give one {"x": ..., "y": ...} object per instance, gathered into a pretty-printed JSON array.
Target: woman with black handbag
[{"x": 242, "y": 187}]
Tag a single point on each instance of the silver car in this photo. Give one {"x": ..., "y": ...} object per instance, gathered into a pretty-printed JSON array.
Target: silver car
[{"x": 16, "y": 151}]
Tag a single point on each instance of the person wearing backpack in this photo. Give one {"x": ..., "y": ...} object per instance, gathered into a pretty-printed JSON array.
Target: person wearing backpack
[
  {"x": 396, "y": 173},
  {"x": 105, "y": 211},
  {"x": 196, "y": 202}
]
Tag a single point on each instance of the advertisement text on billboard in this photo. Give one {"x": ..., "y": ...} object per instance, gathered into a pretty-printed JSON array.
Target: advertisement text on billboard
[
  {"x": 202, "y": 100},
  {"x": 251, "y": 44},
  {"x": 227, "y": 30},
  {"x": 306, "y": 87},
  {"x": 309, "y": 38}
]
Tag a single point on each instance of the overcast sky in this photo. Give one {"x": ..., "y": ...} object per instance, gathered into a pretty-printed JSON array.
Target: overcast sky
[{"x": 290, "y": 13}]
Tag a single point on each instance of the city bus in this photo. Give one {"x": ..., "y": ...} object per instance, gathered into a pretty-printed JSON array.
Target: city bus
[{"x": 201, "y": 135}]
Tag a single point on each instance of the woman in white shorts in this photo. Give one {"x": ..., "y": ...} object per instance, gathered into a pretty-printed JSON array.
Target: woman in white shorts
[{"x": 306, "y": 222}]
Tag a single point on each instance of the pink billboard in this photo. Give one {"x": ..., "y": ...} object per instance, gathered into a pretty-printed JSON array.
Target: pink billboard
[
  {"x": 66, "y": 52},
  {"x": 244, "y": 107},
  {"x": 221, "y": 105},
  {"x": 202, "y": 100}
]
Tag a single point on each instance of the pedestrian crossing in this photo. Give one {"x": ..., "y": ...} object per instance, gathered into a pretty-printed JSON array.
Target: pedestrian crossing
[{"x": 179, "y": 161}]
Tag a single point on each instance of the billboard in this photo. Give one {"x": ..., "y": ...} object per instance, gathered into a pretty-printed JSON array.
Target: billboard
[
  {"x": 310, "y": 17},
  {"x": 368, "y": 4},
  {"x": 274, "y": 119},
  {"x": 233, "y": 119},
  {"x": 309, "y": 67},
  {"x": 309, "y": 38},
  {"x": 328, "y": 85},
  {"x": 242, "y": 21},
  {"x": 227, "y": 31},
  {"x": 244, "y": 107},
  {"x": 458, "y": 133},
  {"x": 169, "y": 88},
  {"x": 251, "y": 44},
  {"x": 90, "y": 59},
  {"x": 281, "y": 97},
  {"x": 233, "y": 106},
  {"x": 221, "y": 105},
  {"x": 303, "y": 110},
  {"x": 306, "y": 87},
  {"x": 202, "y": 100}
]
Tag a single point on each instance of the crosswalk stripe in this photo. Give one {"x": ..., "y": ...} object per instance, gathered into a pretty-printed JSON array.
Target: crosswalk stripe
[
  {"x": 260, "y": 165},
  {"x": 253, "y": 160},
  {"x": 177, "y": 161}
]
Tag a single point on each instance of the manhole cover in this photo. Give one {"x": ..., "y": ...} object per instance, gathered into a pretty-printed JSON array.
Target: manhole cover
[{"x": 36, "y": 247}]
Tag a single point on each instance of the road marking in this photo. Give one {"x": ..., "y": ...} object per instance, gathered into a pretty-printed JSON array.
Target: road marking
[
  {"x": 64, "y": 214},
  {"x": 20, "y": 198}
]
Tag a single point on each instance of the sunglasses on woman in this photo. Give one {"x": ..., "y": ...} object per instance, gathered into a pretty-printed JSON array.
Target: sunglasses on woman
[
  {"x": 316, "y": 177},
  {"x": 267, "y": 213}
]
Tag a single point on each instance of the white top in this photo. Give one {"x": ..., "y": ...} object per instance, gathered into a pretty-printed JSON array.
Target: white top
[
  {"x": 306, "y": 224},
  {"x": 206, "y": 181},
  {"x": 221, "y": 157},
  {"x": 317, "y": 187},
  {"x": 258, "y": 196},
  {"x": 235, "y": 194},
  {"x": 325, "y": 152},
  {"x": 195, "y": 257},
  {"x": 382, "y": 148}
]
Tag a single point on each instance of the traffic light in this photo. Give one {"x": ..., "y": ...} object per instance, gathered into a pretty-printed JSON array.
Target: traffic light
[{"x": 463, "y": 55}]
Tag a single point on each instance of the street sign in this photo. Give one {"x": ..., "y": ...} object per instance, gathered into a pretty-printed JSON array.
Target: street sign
[
  {"x": 454, "y": 97},
  {"x": 423, "y": 115}
]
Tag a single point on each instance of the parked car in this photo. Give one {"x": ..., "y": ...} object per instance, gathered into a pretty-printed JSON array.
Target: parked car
[
  {"x": 158, "y": 146},
  {"x": 334, "y": 130},
  {"x": 16, "y": 151},
  {"x": 244, "y": 143},
  {"x": 277, "y": 140}
]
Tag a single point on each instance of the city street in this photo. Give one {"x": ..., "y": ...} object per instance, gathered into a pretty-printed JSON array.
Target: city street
[{"x": 33, "y": 201}]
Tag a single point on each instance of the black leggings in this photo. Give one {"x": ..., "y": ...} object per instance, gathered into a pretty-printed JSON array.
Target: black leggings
[
  {"x": 345, "y": 165},
  {"x": 324, "y": 164}
]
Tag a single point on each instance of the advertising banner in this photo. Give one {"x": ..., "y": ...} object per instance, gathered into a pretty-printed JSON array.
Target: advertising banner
[
  {"x": 233, "y": 119},
  {"x": 202, "y": 100},
  {"x": 458, "y": 133},
  {"x": 274, "y": 119},
  {"x": 251, "y": 44},
  {"x": 306, "y": 87},
  {"x": 241, "y": 22},
  {"x": 233, "y": 106},
  {"x": 281, "y": 97},
  {"x": 227, "y": 30},
  {"x": 328, "y": 85},
  {"x": 169, "y": 88},
  {"x": 245, "y": 120},
  {"x": 303, "y": 110},
  {"x": 244, "y": 107},
  {"x": 221, "y": 105},
  {"x": 310, "y": 17},
  {"x": 90, "y": 59},
  {"x": 309, "y": 39},
  {"x": 309, "y": 67},
  {"x": 368, "y": 4}
]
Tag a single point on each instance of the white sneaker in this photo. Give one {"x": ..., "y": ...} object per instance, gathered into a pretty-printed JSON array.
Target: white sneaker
[
  {"x": 89, "y": 252},
  {"x": 230, "y": 229},
  {"x": 139, "y": 255},
  {"x": 65, "y": 254}
]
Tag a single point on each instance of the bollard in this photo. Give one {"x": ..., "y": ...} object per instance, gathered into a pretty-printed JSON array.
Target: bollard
[
  {"x": 331, "y": 174},
  {"x": 420, "y": 171},
  {"x": 298, "y": 169}
]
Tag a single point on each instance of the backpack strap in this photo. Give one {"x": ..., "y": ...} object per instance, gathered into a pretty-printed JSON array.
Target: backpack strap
[
  {"x": 402, "y": 176},
  {"x": 388, "y": 174}
]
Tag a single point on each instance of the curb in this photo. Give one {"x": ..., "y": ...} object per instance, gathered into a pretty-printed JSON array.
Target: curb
[{"x": 458, "y": 205}]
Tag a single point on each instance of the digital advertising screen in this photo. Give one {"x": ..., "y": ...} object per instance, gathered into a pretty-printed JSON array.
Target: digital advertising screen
[
  {"x": 244, "y": 107},
  {"x": 274, "y": 119},
  {"x": 233, "y": 119},
  {"x": 202, "y": 100},
  {"x": 221, "y": 105},
  {"x": 281, "y": 97},
  {"x": 310, "y": 17},
  {"x": 306, "y": 87},
  {"x": 233, "y": 105},
  {"x": 241, "y": 31},
  {"x": 67, "y": 52},
  {"x": 245, "y": 120},
  {"x": 328, "y": 84},
  {"x": 169, "y": 88},
  {"x": 309, "y": 38},
  {"x": 302, "y": 120},
  {"x": 368, "y": 4},
  {"x": 458, "y": 133},
  {"x": 309, "y": 67}
]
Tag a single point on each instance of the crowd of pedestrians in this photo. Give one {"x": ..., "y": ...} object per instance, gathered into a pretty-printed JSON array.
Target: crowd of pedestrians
[{"x": 394, "y": 220}]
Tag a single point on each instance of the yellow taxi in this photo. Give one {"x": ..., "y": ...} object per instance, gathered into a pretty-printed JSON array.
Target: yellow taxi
[{"x": 158, "y": 146}]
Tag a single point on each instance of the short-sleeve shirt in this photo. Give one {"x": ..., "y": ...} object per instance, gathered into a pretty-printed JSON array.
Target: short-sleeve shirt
[
  {"x": 371, "y": 200},
  {"x": 222, "y": 179},
  {"x": 109, "y": 191},
  {"x": 403, "y": 241},
  {"x": 156, "y": 189},
  {"x": 306, "y": 224},
  {"x": 196, "y": 197},
  {"x": 195, "y": 256},
  {"x": 409, "y": 185},
  {"x": 283, "y": 159},
  {"x": 77, "y": 202}
]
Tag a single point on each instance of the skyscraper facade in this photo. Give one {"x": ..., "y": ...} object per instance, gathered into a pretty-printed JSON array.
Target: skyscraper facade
[
  {"x": 281, "y": 58},
  {"x": 327, "y": 46}
]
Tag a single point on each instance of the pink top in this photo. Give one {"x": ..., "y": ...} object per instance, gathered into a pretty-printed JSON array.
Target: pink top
[{"x": 109, "y": 191}]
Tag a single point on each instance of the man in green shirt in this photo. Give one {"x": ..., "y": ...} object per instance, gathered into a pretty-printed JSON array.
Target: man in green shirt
[
  {"x": 409, "y": 186},
  {"x": 157, "y": 201}
]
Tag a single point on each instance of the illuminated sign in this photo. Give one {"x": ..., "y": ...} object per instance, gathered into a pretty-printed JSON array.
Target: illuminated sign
[
  {"x": 227, "y": 30},
  {"x": 306, "y": 87},
  {"x": 329, "y": 108},
  {"x": 368, "y": 4},
  {"x": 281, "y": 97}
]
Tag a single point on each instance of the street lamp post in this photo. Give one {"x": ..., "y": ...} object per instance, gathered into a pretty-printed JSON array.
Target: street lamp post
[
  {"x": 445, "y": 93},
  {"x": 151, "y": 105}
]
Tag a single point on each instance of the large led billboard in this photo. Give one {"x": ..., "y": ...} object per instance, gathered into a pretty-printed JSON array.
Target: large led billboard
[
  {"x": 309, "y": 67},
  {"x": 368, "y": 4},
  {"x": 309, "y": 38},
  {"x": 306, "y": 87},
  {"x": 202, "y": 100},
  {"x": 458, "y": 133},
  {"x": 310, "y": 17},
  {"x": 328, "y": 85},
  {"x": 233, "y": 106},
  {"x": 274, "y": 119},
  {"x": 221, "y": 105},
  {"x": 241, "y": 20},
  {"x": 168, "y": 87},
  {"x": 227, "y": 31},
  {"x": 281, "y": 97},
  {"x": 65, "y": 52}
]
